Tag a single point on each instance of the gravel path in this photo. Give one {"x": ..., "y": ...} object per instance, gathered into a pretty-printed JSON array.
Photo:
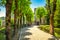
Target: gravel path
[{"x": 33, "y": 33}]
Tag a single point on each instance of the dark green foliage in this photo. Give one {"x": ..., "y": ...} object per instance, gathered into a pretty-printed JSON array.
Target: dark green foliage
[
  {"x": 57, "y": 32},
  {"x": 2, "y": 33},
  {"x": 2, "y": 36},
  {"x": 57, "y": 15},
  {"x": 0, "y": 22},
  {"x": 2, "y": 2}
]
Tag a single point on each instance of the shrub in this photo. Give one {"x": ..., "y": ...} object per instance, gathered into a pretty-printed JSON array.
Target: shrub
[
  {"x": 46, "y": 29},
  {"x": 2, "y": 33},
  {"x": 57, "y": 32}
]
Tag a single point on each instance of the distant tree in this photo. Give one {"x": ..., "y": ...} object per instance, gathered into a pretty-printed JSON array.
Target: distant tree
[
  {"x": 40, "y": 12},
  {"x": 23, "y": 8},
  {"x": 29, "y": 16}
]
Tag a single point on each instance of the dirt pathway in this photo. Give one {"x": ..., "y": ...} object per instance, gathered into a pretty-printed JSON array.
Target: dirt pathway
[{"x": 33, "y": 33}]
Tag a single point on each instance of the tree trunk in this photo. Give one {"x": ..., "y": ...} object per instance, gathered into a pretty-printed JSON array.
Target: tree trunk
[
  {"x": 48, "y": 20},
  {"x": 8, "y": 19},
  {"x": 52, "y": 17},
  {"x": 43, "y": 20},
  {"x": 21, "y": 21},
  {"x": 15, "y": 19},
  {"x": 18, "y": 23},
  {"x": 15, "y": 23},
  {"x": 51, "y": 24},
  {"x": 30, "y": 21},
  {"x": 40, "y": 20}
]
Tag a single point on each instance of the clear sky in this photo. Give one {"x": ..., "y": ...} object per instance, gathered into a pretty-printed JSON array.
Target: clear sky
[
  {"x": 2, "y": 11},
  {"x": 35, "y": 4}
]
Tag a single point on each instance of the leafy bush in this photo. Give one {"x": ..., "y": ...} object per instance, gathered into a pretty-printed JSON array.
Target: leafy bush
[
  {"x": 44, "y": 28},
  {"x": 2, "y": 33},
  {"x": 57, "y": 32},
  {"x": 2, "y": 36},
  {"x": 57, "y": 18}
]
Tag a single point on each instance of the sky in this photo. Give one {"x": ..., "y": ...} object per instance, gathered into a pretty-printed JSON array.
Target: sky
[
  {"x": 2, "y": 11},
  {"x": 35, "y": 4}
]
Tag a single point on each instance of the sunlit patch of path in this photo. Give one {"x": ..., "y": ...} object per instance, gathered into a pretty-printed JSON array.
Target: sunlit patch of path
[{"x": 33, "y": 33}]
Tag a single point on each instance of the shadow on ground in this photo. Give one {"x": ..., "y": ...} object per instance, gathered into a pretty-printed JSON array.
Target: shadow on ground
[
  {"x": 24, "y": 33},
  {"x": 53, "y": 38}
]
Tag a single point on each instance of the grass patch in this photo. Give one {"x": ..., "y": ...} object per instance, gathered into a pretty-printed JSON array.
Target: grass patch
[
  {"x": 2, "y": 33},
  {"x": 46, "y": 28},
  {"x": 57, "y": 32},
  {"x": 2, "y": 36}
]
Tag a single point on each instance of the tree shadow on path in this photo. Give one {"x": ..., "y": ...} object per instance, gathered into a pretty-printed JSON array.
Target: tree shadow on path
[
  {"x": 24, "y": 32},
  {"x": 53, "y": 38}
]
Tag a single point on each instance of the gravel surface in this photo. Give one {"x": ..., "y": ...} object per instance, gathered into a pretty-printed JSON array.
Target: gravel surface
[{"x": 33, "y": 33}]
